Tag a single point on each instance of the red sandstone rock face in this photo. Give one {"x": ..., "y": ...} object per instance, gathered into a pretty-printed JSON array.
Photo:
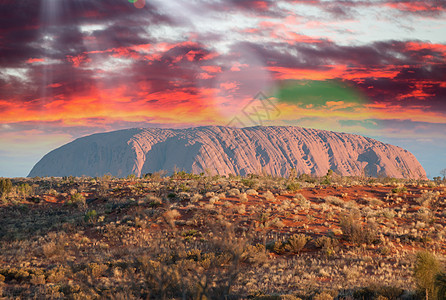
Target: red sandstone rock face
[{"x": 223, "y": 150}]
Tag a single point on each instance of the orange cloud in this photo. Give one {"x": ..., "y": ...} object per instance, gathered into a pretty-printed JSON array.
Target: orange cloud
[
  {"x": 419, "y": 46},
  {"x": 331, "y": 71},
  {"x": 415, "y": 6},
  {"x": 229, "y": 85},
  {"x": 335, "y": 71},
  {"x": 212, "y": 69},
  {"x": 113, "y": 104},
  {"x": 383, "y": 72},
  {"x": 35, "y": 60},
  {"x": 418, "y": 92},
  {"x": 205, "y": 76}
]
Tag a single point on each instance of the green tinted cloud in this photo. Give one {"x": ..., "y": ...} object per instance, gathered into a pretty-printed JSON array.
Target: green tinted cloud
[{"x": 317, "y": 92}]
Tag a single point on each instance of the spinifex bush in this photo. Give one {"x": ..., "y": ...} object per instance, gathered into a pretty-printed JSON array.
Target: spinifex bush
[
  {"x": 254, "y": 254},
  {"x": 78, "y": 200},
  {"x": 327, "y": 244},
  {"x": 334, "y": 201},
  {"x": 293, "y": 245},
  {"x": 356, "y": 232},
  {"x": 296, "y": 243}
]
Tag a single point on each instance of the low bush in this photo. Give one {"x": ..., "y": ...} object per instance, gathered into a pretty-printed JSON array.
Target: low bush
[
  {"x": 356, "y": 232},
  {"x": 78, "y": 200},
  {"x": 296, "y": 243},
  {"x": 293, "y": 186},
  {"x": 90, "y": 216}
]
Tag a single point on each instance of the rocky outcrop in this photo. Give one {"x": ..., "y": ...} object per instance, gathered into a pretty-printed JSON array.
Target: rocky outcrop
[{"x": 223, "y": 150}]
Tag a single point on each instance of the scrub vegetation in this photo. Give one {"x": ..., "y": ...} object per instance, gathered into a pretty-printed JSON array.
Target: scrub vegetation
[{"x": 190, "y": 236}]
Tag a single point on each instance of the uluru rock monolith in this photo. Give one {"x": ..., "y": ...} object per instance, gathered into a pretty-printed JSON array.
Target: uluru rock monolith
[{"x": 221, "y": 150}]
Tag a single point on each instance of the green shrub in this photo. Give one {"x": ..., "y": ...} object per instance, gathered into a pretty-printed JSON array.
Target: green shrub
[
  {"x": 5, "y": 186},
  {"x": 399, "y": 190},
  {"x": 251, "y": 183},
  {"x": 90, "y": 216},
  {"x": 307, "y": 178},
  {"x": 131, "y": 177},
  {"x": 293, "y": 186},
  {"x": 24, "y": 190},
  {"x": 78, "y": 200},
  {"x": 426, "y": 269},
  {"x": 327, "y": 178}
]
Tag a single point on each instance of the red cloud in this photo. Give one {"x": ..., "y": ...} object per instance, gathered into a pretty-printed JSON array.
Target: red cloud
[
  {"x": 280, "y": 31},
  {"x": 78, "y": 60},
  {"x": 417, "y": 6},
  {"x": 261, "y": 5},
  {"x": 35, "y": 60},
  {"x": 417, "y": 46},
  {"x": 212, "y": 69},
  {"x": 230, "y": 85}
]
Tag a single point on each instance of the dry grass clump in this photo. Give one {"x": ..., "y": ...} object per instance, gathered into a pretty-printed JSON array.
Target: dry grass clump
[
  {"x": 328, "y": 244},
  {"x": 269, "y": 196},
  {"x": 196, "y": 197},
  {"x": 356, "y": 232},
  {"x": 333, "y": 200},
  {"x": 243, "y": 197},
  {"x": 428, "y": 198},
  {"x": 233, "y": 192},
  {"x": 301, "y": 201},
  {"x": 214, "y": 199},
  {"x": 373, "y": 201},
  {"x": 251, "y": 192}
]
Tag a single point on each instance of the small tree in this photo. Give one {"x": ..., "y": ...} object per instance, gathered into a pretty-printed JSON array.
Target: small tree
[
  {"x": 5, "y": 186},
  {"x": 443, "y": 172},
  {"x": 426, "y": 269}
]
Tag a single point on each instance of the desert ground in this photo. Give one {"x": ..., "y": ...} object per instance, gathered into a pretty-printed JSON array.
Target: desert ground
[{"x": 191, "y": 236}]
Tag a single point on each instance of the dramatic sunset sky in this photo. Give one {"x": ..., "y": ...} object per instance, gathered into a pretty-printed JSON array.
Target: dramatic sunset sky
[{"x": 70, "y": 68}]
